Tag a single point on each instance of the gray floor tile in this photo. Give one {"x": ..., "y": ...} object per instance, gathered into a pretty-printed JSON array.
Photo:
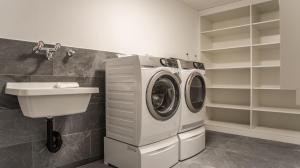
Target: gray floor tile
[
  {"x": 231, "y": 151},
  {"x": 98, "y": 164}
]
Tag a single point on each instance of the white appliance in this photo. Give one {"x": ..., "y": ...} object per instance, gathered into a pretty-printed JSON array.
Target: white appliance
[
  {"x": 191, "y": 131},
  {"x": 163, "y": 154},
  {"x": 191, "y": 143},
  {"x": 142, "y": 99},
  {"x": 142, "y": 117},
  {"x": 193, "y": 89}
]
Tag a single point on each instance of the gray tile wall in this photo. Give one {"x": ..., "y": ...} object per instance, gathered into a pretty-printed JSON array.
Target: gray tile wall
[{"x": 22, "y": 140}]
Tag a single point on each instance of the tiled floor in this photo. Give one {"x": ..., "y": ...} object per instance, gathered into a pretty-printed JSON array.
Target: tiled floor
[{"x": 230, "y": 151}]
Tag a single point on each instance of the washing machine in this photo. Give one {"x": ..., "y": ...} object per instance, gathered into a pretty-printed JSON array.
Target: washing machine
[
  {"x": 142, "y": 99},
  {"x": 142, "y": 116},
  {"x": 191, "y": 130},
  {"x": 193, "y": 89}
]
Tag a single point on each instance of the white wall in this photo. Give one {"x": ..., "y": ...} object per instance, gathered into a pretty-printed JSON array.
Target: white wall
[{"x": 156, "y": 27}]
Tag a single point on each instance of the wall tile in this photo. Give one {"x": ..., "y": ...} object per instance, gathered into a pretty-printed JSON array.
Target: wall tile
[
  {"x": 18, "y": 156},
  {"x": 16, "y": 57},
  {"x": 86, "y": 63},
  {"x": 93, "y": 118},
  {"x": 75, "y": 147},
  {"x": 9, "y": 101},
  {"x": 19, "y": 64},
  {"x": 16, "y": 129},
  {"x": 97, "y": 143}
]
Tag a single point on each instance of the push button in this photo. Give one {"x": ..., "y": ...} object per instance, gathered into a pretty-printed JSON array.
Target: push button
[{"x": 163, "y": 62}]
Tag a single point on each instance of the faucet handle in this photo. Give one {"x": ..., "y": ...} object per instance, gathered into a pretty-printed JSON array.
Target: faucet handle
[
  {"x": 57, "y": 46},
  {"x": 70, "y": 52},
  {"x": 38, "y": 46}
]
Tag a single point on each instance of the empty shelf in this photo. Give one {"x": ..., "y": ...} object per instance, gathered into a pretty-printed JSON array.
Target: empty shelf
[
  {"x": 265, "y": 44},
  {"x": 277, "y": 110},
  {"x": 266, "y": 66},
  {"x": 226, "y": 31},
  {"x": 225, "y": 48},
  {"x": 274, "y": 21},
  {"x": 267, "y": 88},
  {"x": 226, "y": 124},
  {"x": 283, "y": 132},
  {"x": 267, "y": 24},
  {"x": 227, "y": 67},
  {"x": 228, "y": 106},
  {"x": 228, "y": 87},
  {"x": 225, "y": 19}
]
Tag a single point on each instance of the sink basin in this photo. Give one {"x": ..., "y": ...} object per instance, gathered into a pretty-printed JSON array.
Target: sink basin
[{"x": 50, "y": 99}]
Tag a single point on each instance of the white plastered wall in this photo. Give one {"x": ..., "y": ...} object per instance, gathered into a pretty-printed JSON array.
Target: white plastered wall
[{"x": 164, "y": 28}]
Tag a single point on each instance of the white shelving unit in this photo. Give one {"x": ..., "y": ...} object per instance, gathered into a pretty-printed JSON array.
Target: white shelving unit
[{"x": 241, "y": 51}]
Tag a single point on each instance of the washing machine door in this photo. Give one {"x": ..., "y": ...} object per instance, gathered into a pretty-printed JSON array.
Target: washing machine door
[
  {"x": 163, "y": 95},
  {"x": 195, "y": 92}
]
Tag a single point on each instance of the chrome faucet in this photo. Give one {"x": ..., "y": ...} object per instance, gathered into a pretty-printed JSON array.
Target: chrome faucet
[{"x": 50, "y": 52}]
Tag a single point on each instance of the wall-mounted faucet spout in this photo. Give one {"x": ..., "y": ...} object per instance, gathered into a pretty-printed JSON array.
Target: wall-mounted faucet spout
[{"x": 50, "y": 52}]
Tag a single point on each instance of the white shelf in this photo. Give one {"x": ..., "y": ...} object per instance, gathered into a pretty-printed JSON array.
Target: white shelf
[
  {"x": 228, "y": 67},
  {"x": 281, "y": 135},
  {"x": 267, "y": 88},
  {"x": 275, "y": 99},
  {"x": 266, "y": 32},
  {"x": 228, "y": 106},
  {"x": 228, "y": 30},
  {"x": 261, "y": 45},
  {"x": 266, "y": 25},
  {"x": 266, "y": 76},
  {"x": 284, "y": 132},
  {"x": 242, "y": 56},
  {"x": 225, "y": 29},
  {"x": 265, "y": 11},
  {"x": 226, "y": 38},
  {"x": 266, "y": 66},
  {"x": 223, "y": 20},
  {"x": 229, "y": 78},
  {"x": 277, "y": 110},
  {"x": 227, "y": 48},
  {"x": 274, "y": 21},
  {"x": 266, "y": 55},
  {"x": 228, "y": 87},
  {"x": 283, "y": 120},
  {"x": 211, "y": 123}
]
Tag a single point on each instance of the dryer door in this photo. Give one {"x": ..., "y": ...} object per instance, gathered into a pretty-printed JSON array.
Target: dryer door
[
  {"x": 195, "y": 92},
  {"x": 163, "y": 95}
]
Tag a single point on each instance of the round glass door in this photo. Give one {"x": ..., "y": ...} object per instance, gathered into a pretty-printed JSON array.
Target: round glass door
[
  {"x": 163, "y": 95},
  {"x": 195, "y": 92}
]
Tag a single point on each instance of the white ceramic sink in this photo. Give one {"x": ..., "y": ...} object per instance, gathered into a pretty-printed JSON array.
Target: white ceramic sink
[{"x": 50, "y": 99}]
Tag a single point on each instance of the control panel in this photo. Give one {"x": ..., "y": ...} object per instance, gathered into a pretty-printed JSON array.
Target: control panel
[
  {"x": 198, "y": 65},
  {"x": 169, "y": 62}
]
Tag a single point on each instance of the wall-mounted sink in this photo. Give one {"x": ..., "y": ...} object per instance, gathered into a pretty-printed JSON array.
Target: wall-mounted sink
[{"x": 50, "y": 99}]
